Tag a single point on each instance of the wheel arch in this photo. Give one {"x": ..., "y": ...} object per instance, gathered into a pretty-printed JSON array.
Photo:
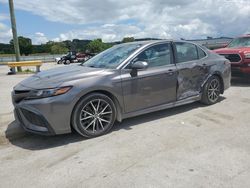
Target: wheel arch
[
  {"x": 217, "y": 74},
  {"x": 104, "y": 92},
  {"x": 221, "y": 81}
]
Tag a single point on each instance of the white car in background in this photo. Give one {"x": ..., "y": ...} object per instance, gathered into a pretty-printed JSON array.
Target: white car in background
[{"x": 57, "y": 59}]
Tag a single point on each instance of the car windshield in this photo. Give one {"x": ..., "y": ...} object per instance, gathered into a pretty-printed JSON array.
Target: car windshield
[
  {"x": 240, "y": 42},
  {"x": 112, "y": 57}
]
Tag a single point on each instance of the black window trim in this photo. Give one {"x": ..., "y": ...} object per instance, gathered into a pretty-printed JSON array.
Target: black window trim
[{"x": 197, "y": 46}]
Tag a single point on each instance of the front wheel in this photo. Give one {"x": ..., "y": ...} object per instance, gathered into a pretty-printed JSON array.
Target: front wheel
[
  {"x": 94, "y": 115},
  {"x": 211, "y": 91},
  {"x": 59, "y": 61}
]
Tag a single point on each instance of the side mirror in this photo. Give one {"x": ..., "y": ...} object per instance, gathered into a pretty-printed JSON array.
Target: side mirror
[{"x": 139, "y": 65}]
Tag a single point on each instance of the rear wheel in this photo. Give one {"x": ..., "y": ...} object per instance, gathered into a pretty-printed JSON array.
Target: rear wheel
[
  {"x": 246, "y": 77},
  {"x": 211, "y": 91},
  {"x": 94, "y": 115},
  {"x": 67, "y": 62}
]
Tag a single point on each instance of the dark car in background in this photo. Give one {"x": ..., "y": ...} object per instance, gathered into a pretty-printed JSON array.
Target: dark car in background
[
  {"x": 73, "y": 57},
  {"x": 238, "y": 53},
  {"x": 126, "y": 80}
]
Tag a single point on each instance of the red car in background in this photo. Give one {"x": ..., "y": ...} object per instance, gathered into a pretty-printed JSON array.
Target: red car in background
[
  {"x": 238, "y": 53},
  {"x": 82, "y": 57}
]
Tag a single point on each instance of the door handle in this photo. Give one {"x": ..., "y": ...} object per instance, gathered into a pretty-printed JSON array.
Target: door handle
[
  {"x": 204, "y": 66},
  {"x": 170, "y": 71}
]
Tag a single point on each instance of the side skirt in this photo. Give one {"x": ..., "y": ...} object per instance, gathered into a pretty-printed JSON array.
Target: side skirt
[{"x": 162, "y": 107}]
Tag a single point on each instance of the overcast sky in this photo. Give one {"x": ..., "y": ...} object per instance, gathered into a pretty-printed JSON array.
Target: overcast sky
[{"x": 111, "y": 20}]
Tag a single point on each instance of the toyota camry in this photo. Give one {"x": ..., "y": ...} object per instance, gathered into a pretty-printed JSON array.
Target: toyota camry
[{"x": 126, "y": 80}]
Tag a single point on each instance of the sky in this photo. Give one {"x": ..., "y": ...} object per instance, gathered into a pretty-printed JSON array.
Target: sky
[{"x": 112, "y": 20}]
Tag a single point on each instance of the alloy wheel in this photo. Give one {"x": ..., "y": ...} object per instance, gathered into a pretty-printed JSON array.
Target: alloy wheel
[
  {"x": 96, "y": 116},
  {"x": 214, "y": 90}
]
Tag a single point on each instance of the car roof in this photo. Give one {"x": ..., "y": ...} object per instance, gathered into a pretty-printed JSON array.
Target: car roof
[
  {"x": 156, "y": 41},
  {"x": 150, "y": 42}
]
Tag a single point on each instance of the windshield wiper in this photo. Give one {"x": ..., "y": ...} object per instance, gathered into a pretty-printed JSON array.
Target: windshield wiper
[{"x": 92, "y": 66}]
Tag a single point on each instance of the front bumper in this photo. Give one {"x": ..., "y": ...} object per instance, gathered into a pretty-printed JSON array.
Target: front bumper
[
  {"x": 33, "y": 121},
  {"x": 45, "y": 116}
]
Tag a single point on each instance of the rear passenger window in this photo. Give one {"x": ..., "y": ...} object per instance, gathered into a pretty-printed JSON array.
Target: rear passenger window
[
  {"x": 201, "y": 53},
  {"x": 186, "y": 52}
]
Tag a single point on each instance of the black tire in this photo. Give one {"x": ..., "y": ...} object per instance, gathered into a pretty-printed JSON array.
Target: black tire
[
  {"x": 246, "y": 78},
  {"x": 211, "y": 91},
  {"x": 59, "y": 62},
  {"x": 101, "y": 119},
  {"x": 67, "y": 62}
]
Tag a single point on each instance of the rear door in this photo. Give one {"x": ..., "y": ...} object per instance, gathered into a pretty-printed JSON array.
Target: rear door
[
  {"x": 192, "y": 69},
  {"x": 153, "y": 86}
]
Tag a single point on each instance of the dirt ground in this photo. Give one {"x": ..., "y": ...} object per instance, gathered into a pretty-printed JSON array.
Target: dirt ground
[{"x": 188, "y": 146}]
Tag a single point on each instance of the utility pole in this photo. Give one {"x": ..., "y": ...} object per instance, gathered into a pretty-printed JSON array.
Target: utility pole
[{"x": 14, "y": 31}]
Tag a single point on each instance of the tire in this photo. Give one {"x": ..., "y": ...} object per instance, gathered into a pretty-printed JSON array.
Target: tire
[
  {"x": 211, "y": 91},
  {"x": 67, "y": 62},
  {"x": 59, "y": 62},
  {"x": 94, "y": 115},
  {"x": 246, "y": 77}
]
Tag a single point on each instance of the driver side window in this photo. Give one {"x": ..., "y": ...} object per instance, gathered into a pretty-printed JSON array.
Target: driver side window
[{"x": 158, "y": 55}]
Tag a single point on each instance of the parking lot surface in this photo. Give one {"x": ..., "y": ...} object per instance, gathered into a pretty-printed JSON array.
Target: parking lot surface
[{"x": 188, "y": 146}]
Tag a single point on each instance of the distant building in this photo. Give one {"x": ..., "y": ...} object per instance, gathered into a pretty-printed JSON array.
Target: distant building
[{"x": 213, "y": 43}]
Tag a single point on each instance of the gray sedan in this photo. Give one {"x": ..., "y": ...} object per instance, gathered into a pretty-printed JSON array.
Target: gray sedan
[{"x": 126, "y": 80}]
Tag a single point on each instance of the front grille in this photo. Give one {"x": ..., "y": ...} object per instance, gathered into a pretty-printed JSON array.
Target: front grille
[
  {"x": 19, "y": 95},
  {"x": 232, "y": 57},
  {"x": 21, "y": 91},
  {"x": 33, "y": 118}
]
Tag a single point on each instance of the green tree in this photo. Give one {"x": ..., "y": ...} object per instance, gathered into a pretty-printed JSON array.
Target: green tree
[
  {"x": 128, "y": 39},
  {"x": 97, "y": 46},
  {"x": 68, "y": 44},
  {"x": 25, "y": 45},
  {"x": 58, "y": 48}
]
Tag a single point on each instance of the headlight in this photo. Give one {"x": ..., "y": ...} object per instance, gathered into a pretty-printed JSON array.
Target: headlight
[
  {"x": 41, "y": 93},
  {"x": 247, "y": 55}
]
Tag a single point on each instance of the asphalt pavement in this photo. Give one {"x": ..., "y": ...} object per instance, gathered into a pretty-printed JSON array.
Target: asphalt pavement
[{"x": 188, "y": 146}]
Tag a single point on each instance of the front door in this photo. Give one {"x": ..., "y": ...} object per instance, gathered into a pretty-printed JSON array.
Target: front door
[{"x": 153, "y": 86}]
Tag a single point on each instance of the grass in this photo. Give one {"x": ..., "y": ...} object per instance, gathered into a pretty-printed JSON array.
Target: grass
[
  {"x": 26, "y": 71},
  {"x": 7, "y": 55}
]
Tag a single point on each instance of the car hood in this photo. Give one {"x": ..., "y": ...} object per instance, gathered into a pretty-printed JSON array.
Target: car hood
[
  {"x": 232, "y": 50},
  {"x": 55, "y": 77}
]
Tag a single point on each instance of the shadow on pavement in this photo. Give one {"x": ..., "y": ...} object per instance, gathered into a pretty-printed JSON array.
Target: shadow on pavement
[
  {"x": 37, "y": 142},
  {"x": 128, "y": 123},
  {"x": 14, "y": 131},
  {"x": 240, "y": 81}
]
